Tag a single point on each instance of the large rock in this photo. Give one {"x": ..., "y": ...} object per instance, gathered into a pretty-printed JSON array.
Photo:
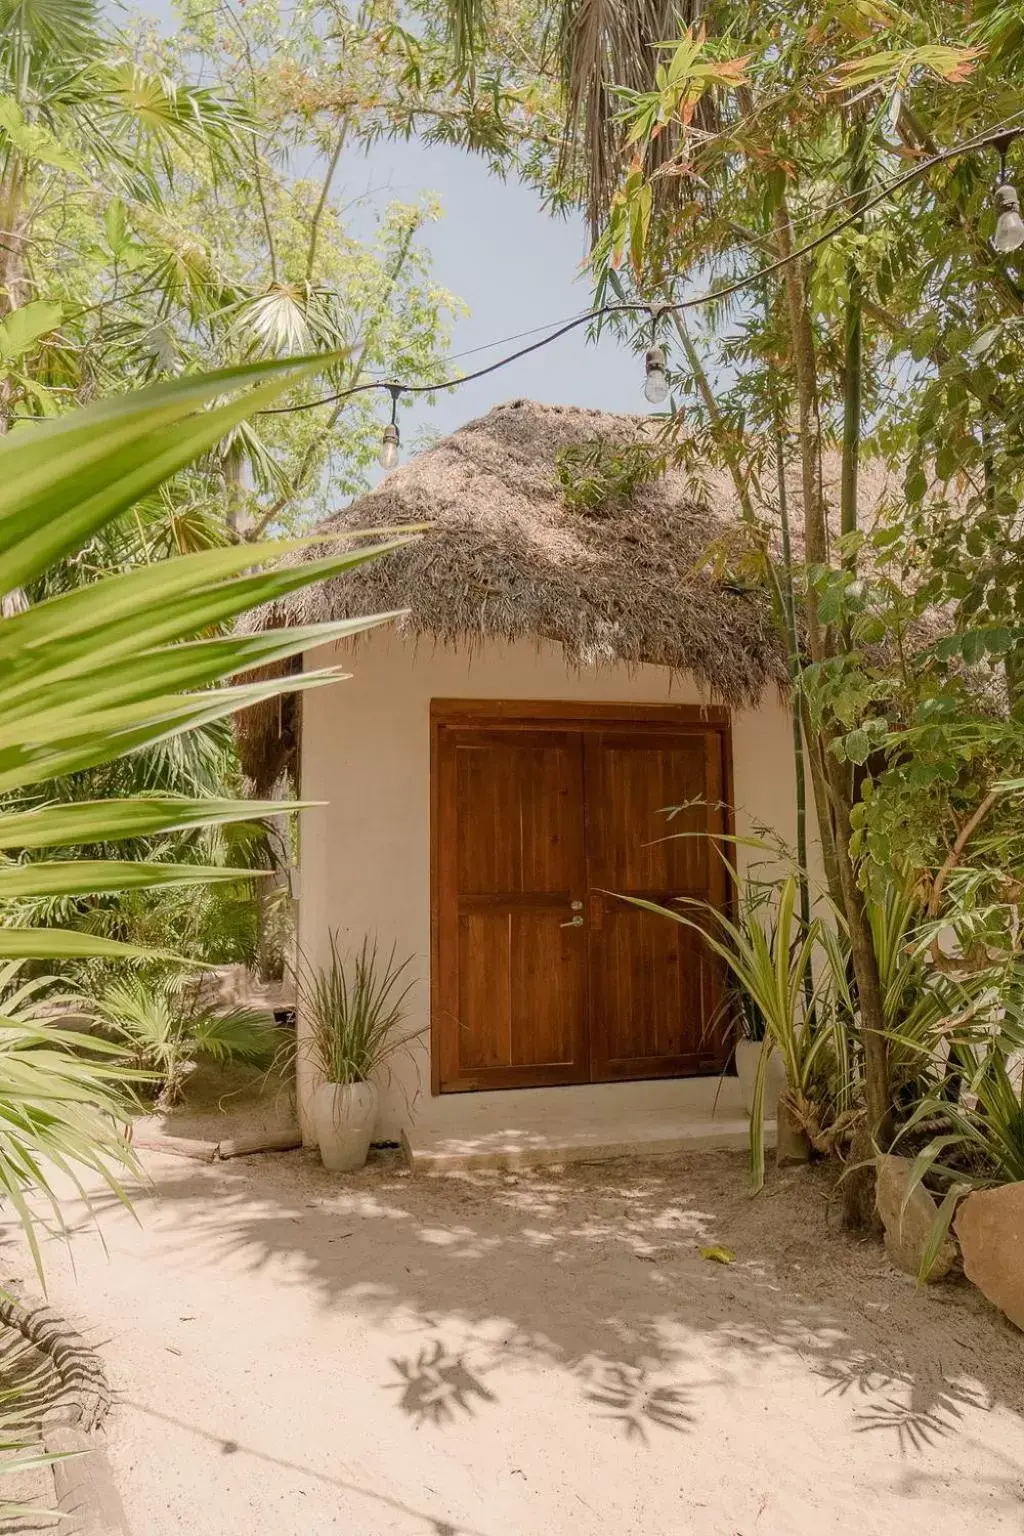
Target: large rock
[
  {"x": 908, "y": 1227},
  {"x": 990, "y": 1226}
]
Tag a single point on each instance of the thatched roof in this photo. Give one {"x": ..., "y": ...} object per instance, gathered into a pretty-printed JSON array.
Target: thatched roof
[{"x": 507, "y": 558}]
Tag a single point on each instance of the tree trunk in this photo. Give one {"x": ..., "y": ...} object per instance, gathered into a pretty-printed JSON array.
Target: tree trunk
[
  {"x": 853, "y": 389},
  {"x": 865, "y": 961},
  {"x": 799, "y": 765}
]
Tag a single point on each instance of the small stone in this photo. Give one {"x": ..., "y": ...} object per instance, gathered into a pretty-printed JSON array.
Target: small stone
[
  {"x": 908, "y": 1230},
  {"x": 990, "y": 1226}
]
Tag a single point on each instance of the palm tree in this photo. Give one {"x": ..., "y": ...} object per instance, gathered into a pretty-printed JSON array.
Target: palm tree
[
  {"x": 604, "y": 49},
  {"x": 79, "y": 113}
]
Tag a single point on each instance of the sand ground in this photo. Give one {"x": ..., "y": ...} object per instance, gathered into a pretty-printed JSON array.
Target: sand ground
[{"x": 534, "y": 1354}]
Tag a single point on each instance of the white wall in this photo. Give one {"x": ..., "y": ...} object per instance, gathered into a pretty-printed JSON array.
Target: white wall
[{"x": 365, "y": 855}]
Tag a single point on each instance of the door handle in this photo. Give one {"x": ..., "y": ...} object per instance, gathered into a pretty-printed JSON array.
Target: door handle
[{"x": 574, "y": 922}]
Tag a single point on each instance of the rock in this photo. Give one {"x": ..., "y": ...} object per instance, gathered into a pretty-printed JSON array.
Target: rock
[
  {"x": 907, "y": 1230},
  {"x": 792, "y": 1143},
  {"x": 990, "y": 1226}
]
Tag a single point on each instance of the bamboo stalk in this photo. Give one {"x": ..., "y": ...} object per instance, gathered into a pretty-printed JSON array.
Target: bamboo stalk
[
  {"x": 853, "y": 362},
  {"x": 865, "y": 961}
]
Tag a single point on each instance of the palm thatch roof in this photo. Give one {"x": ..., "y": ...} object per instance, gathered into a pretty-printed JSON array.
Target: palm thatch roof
[{"x": 506, "y": 557}]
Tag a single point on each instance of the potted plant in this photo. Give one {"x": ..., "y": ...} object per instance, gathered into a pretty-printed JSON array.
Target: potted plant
[{"x": 353, "y": 1011}]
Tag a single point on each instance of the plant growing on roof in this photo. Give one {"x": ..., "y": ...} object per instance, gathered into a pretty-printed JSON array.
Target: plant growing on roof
[
  {"x": 353, "y": 1010},
  {"x": 599, "y": 475}
]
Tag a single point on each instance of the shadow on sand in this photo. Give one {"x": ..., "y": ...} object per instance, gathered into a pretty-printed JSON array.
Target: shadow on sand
[{"x": 596, "y": 1271}]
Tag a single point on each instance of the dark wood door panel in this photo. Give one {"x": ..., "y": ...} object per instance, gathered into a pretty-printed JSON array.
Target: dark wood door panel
[
  {"x": 653, "y": 994},
  {"x": 522, "y": 983},
  {"x": 519, "y": 812},
  {"x": 541, "y": 824},
  {"x": 511, "y": 985},
  {"x": 654, "y": 984},
  {"x": 633, "y": 781}
]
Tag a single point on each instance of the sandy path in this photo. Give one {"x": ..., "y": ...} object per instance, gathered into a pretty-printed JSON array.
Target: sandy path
[{"x": 535, "y": 1355}]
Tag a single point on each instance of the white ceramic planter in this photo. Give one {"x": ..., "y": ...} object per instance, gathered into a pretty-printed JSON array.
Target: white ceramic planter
[
  {"x": 748, "y": 1054},
  {"x": 344, "y": 1115}
]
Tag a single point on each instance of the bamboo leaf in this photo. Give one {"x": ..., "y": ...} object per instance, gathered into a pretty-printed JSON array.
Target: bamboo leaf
[{"x": 24, "y": 326}]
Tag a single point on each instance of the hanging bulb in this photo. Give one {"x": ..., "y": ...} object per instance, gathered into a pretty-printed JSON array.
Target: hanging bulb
[
  {"x": 389, "y": 447},
  {"x": 656, "y": 386},
  {"x": 1009, "y": 234}
]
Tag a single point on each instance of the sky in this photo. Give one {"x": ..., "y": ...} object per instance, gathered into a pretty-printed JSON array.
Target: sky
[{"x": 516, "y": 267}]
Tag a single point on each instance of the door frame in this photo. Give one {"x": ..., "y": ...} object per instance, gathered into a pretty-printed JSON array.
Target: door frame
[{"x": 553, "y": 715}]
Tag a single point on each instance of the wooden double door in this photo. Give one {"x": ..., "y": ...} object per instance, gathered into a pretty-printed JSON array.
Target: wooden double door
[{"x": 543, "y": 818}]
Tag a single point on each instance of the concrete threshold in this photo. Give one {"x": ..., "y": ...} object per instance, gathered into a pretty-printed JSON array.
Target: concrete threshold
[{"x": 588, "y": 1123}]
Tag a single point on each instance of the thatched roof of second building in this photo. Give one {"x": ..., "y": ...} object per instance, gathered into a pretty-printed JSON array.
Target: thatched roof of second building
[{"x": 506, "y": 557}]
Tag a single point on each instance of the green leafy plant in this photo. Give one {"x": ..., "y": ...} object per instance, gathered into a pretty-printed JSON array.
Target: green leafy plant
[
  {"x": 983, "y": 1145},
  {"x": 354, "y": 1009},
  {"x": 600, "y": 475},
  {"x": 164, "y": 1030},
  {"x": 88, "y": 676},
  {"x": 64, "y": 1104},
  {"x": 770, "y": 955}
]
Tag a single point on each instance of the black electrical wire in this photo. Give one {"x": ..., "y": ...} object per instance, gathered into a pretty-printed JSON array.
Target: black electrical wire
[{"x": 996, "y": 136}]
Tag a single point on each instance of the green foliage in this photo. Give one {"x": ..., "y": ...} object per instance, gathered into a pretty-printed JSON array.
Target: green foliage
[
  {"x": 70, "y": 701},
  {"x": 63, "y": 1105},
  {"x": 182, "y": 238},
  {"x": 771, "y": 957},
  {"x": 599, "y": 476},
  {"x": 163, "y": 1030},
  {"x": 87, "y": 677},
  {"x": 978, "y": 1101},
  {"x": 354, "y": 1009}
]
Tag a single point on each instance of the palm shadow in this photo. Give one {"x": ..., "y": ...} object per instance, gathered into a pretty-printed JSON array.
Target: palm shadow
[
  {"x": 438, "y": 1386},
  {"x": 596, "y": 1271}
]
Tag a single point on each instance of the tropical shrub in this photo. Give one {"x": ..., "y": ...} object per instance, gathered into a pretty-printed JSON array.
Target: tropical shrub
[
  {"x": 90, "y": 675},
  {"x": 774, "y": 960},
  {"x": 64, "y": 1104},
  {"x": 162, "y": 1029}
]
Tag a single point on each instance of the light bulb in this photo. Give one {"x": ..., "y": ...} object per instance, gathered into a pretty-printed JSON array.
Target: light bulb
[
  {"x": 1009, "y": 234},
  {"x": 389, "y": 447},
  {"x": 656, "y": 385}
]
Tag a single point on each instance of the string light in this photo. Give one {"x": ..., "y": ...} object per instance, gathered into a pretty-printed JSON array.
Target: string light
[
  {"x": 999, "y": 135},
  {"x": 1009, "y": 235},
  {"x": 656, "y": 382},
  {"x": 391, "y": 437}
]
